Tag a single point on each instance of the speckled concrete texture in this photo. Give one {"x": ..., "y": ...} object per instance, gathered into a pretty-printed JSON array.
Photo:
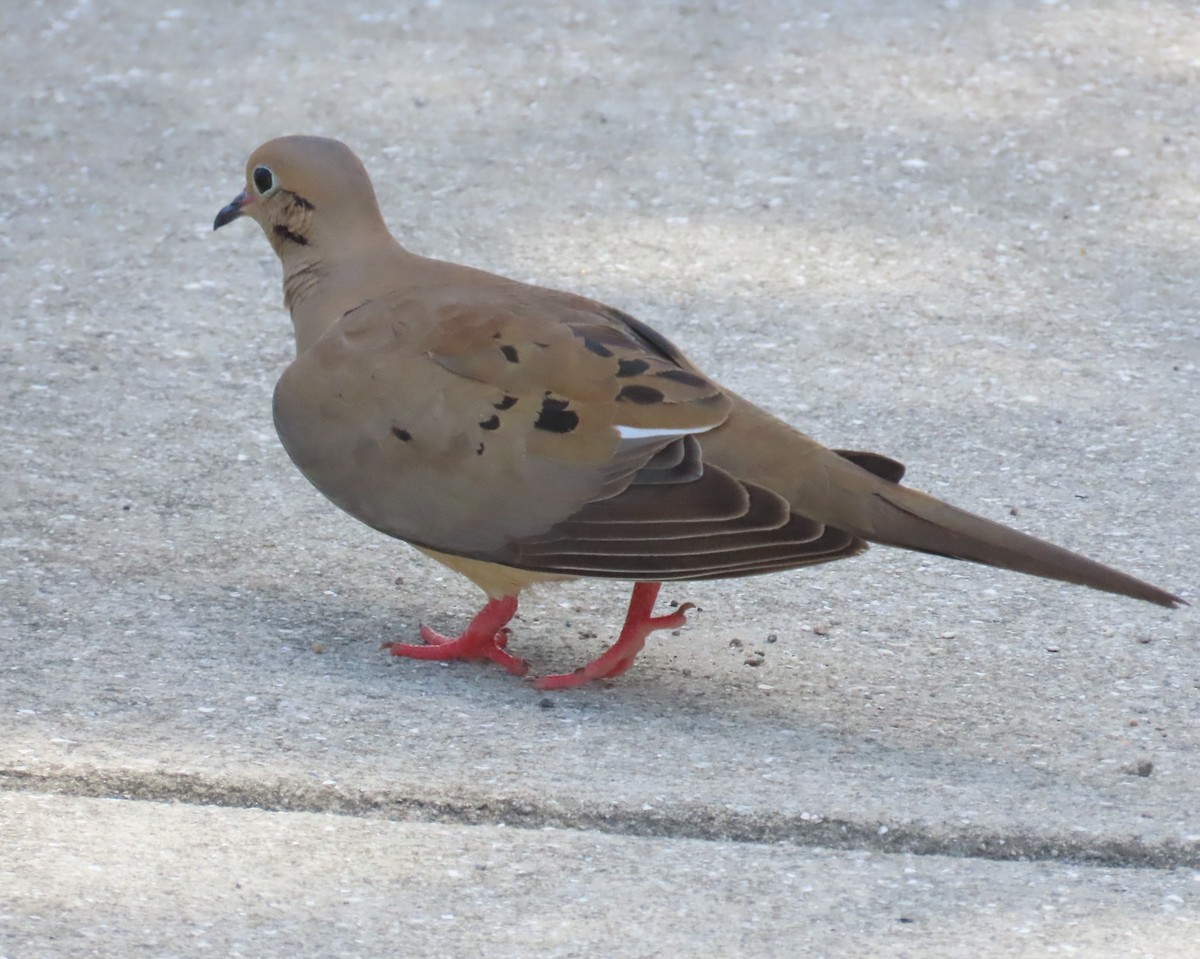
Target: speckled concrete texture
[
  {"x": 961, "y": 234},
  {"x": 183, "y": 880}
]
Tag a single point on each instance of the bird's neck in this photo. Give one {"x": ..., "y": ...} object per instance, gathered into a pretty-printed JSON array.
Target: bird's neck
[
  {"x": 319, "y": 288},
  {"x": 301, "y": 274}
]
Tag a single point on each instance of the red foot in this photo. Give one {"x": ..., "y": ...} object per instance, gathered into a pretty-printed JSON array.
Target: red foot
[
  {"x": 639, "y": 624},
  {"x": 484, "y": 638}
]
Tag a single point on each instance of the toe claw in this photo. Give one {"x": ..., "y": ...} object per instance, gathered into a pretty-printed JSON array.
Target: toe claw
[
  {"x": 484, "y": 638},
  {"x": 616, "y": 660},
  {"x": 518, "y": 667}
]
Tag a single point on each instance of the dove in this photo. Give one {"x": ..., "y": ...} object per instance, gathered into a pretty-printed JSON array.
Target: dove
[{"x": 522, "y": 435}]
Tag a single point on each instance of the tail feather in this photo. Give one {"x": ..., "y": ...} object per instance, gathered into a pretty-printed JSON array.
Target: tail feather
[
  {"x": 904, "y": 517},
  {"x": 860, "y": 493}
]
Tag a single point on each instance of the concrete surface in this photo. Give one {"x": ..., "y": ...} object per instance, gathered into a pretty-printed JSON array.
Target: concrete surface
[
  {"x": 191, "y": 880},
  {"x": 963, "y": 234}
]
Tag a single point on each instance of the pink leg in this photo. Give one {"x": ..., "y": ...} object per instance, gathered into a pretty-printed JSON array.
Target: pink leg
[
  {"x": 484, "y": 638},
  {"x": 639, "y": 624}
]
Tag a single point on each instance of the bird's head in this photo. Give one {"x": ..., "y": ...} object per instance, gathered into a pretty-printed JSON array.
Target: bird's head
[{"x": 306, "y": 192}]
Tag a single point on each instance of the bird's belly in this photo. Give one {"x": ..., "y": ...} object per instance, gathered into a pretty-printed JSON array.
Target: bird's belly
[{"x": 393, "y": 471}]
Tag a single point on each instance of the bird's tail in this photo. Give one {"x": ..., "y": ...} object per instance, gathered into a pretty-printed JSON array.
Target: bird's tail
[
  {"x": 899, "y": 516},
  {"x": 861, "y": 494}
]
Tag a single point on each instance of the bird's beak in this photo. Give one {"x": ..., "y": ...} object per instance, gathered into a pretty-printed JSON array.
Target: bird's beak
[{"x": 233, "y": 210}]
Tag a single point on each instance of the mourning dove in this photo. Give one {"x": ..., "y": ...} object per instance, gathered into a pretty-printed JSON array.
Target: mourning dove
[{"x": 522, "y": 435}]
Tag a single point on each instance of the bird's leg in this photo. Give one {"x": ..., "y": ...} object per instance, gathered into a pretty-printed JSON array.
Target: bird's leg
[
  {"x": 639, "y": 624},
  {"x": 484, "y": 638}
]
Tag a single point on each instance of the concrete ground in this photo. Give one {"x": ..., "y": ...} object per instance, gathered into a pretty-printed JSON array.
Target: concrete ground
[{"x": 963, "y": 234}]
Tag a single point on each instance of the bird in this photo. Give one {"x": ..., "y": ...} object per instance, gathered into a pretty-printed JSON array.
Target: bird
[{"x": 522, "y": 435}]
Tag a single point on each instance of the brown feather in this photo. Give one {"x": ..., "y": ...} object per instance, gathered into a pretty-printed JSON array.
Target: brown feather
[{"x": 520, "y": 434}]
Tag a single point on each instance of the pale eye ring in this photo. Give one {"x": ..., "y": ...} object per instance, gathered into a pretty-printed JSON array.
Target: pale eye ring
[{"x": 264, "y": 180}]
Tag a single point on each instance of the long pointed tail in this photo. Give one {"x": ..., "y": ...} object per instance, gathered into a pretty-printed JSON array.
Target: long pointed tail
[
  {"x": 860, "y": 493},
  {"x": 899, "y": 516}
]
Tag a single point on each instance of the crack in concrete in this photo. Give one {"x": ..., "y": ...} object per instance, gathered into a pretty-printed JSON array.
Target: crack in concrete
[{"x": 682, "y": 821}]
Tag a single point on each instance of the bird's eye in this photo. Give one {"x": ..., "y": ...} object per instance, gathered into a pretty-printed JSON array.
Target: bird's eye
[{"x": 264, "y": 180}]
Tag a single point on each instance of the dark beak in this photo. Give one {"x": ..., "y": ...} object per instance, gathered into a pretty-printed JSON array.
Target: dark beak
[{"x": 232, "y": 211}]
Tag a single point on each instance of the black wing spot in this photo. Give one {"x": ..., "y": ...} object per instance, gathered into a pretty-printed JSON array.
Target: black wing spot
[
  {"x": 491, "y": 423},
  {"x": 284, "y": 233},
  {"x": 631, "y": 367},
  {"x": 402, "y": 435},
  {"x": 479, "y": 450},
  {"x": 649, "y": 336},
  {"x": 684, "y": 377},
  {"x": 595, "y": 346},
  {"x": 642, "y": 395},
  {"x": 554, "y": 417},
  {"x": 620, "y": 316},
  {"x": 510, "y": 353},
  {"x": 507, "y": 403}
]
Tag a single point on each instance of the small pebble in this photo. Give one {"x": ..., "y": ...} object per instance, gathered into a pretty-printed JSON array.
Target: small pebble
[{"x": 754, "y": 659}]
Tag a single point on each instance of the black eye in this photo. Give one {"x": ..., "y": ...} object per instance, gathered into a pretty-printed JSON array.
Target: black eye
[{"x": 264, "y": 180}]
